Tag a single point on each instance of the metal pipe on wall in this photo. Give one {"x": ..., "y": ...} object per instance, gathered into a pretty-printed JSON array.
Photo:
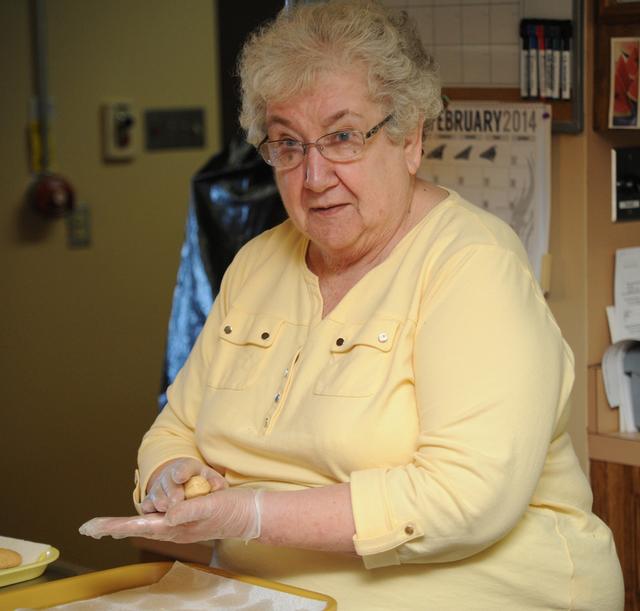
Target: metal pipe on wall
[
  {"x": 41, "y": 83},
  {"x": 50, "y": 194}
]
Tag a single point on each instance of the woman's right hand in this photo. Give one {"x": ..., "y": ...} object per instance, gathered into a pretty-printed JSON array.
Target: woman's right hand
[{"x": 166, "y": 484}]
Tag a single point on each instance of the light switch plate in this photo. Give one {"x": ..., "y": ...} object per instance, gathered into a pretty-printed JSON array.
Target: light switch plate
[{"x": 120, "y": 129}]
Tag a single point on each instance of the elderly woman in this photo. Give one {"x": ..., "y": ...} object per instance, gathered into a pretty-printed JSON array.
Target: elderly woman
[{"x": 379, "y": 396}]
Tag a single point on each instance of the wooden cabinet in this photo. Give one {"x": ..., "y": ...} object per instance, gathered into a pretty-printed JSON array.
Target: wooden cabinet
[
  {"x": 616, "y": 499},
  {"x": 615, "y": 481}
]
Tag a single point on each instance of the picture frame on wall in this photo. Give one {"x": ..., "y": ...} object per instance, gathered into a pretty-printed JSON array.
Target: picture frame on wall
[
  {"x": 617, "y": 26},
  {"x": 624, "y": 83},
  {"x": 613, "y": 8}
]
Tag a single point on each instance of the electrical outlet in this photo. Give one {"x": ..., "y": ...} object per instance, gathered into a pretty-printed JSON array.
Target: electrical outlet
[
  {"x": 119, "y": 130},
  {"x": 79, "y": 227}
]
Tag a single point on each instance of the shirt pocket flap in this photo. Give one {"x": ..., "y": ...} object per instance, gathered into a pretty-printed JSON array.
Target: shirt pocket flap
[
  {"x": 250, "y": 329},
  {"x": 377, "y": 333}
]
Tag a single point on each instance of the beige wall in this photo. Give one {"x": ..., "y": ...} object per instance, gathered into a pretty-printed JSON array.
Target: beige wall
[
  {"x": 82, "y": 332},
  {"x": 584, "y": 240},
  {"x": 567, "y": 246}
]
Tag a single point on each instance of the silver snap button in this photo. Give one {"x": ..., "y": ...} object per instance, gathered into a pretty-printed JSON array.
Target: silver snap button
[
  {"x": 286, "y": 373},
  {"x": 340, "y": 341},
  {"x": 383, "y": 337},
  {"x": 228, "y": 329},
  {"x": 277, "y": 397}
]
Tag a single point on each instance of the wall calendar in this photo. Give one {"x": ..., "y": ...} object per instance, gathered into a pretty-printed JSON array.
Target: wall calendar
[{"x": 497, "y": 156}]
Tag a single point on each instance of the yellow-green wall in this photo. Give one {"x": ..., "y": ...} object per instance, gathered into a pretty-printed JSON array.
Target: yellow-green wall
[{"x": 82, "y": 332}]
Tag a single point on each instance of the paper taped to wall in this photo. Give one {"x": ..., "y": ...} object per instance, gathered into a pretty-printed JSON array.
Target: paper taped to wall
[{"x": 624, "y": 315}]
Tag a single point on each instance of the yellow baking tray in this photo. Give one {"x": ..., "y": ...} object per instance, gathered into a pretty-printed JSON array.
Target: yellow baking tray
[{"x": 90, "y": 585}]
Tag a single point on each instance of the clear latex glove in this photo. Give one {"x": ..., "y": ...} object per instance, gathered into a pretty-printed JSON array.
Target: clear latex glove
[
  {"x": 166, "y": 486},
  {"x": 229, "y": 513}
]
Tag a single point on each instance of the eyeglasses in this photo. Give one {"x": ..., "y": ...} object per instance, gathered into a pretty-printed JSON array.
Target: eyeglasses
[{"x": 343, "y": 145}]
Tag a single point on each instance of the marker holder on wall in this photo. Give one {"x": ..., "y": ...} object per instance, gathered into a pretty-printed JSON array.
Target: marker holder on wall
[
  {"x": 545, "y": 59},
  {"x": 568, "y": 114}
]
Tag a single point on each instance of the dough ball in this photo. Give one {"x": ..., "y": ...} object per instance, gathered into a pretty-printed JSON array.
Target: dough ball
[
  {"x": 9, "y": 558},
  {"x": 196, "y": 486}
]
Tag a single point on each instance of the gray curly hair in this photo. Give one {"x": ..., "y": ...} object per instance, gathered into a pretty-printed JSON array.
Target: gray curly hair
[{"x": 283, "y": 58}]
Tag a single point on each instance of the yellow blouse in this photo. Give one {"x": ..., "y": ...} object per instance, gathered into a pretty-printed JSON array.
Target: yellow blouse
[{"x": 437, "y": 387}]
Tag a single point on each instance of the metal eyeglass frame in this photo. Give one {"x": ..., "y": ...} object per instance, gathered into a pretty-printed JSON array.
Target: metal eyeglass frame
[{"x": 305, "y": 145}]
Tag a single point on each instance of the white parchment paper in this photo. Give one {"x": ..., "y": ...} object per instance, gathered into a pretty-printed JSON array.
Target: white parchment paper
[{"x": 184, "y": 587}]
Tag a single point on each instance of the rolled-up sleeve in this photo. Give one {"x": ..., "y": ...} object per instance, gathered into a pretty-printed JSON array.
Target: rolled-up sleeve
[{"x": 492, "y": 378}]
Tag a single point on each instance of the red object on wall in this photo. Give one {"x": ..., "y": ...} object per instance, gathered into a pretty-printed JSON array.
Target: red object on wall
[{"x": 52, "y": 195}]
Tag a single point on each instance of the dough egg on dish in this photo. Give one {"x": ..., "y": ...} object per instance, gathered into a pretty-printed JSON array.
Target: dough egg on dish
[{"x": 9, "y": 558}]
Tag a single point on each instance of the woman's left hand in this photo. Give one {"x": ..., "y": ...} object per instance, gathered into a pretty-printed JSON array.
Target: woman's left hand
[{"x": 229, "y": 513}]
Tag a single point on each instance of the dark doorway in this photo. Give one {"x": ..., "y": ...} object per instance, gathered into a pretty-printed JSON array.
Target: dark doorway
[{"x": 236, "y": 19}]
